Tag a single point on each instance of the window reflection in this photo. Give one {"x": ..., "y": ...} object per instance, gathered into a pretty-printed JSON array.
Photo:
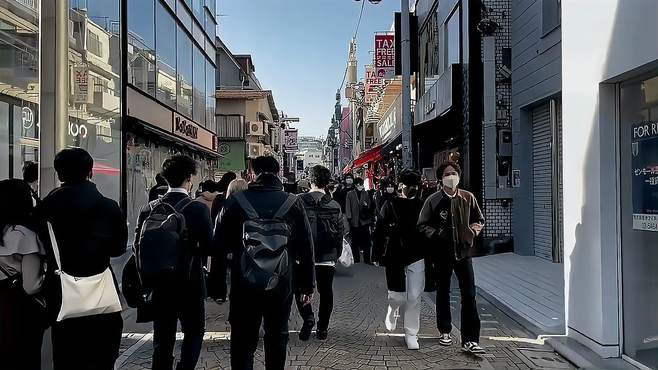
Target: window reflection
[
  {"x": 165, "y": 47},
  {"x": 184, "y": 72},
  {"x": 453, "y": 37},
  {"x": 141, "y": 45},
  {"x": 199, "y": 73},
  {"x": 210, "y": 96}
]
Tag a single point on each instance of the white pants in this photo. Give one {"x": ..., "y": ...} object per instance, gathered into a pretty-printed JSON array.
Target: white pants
[{"x": 410, "y": 299}]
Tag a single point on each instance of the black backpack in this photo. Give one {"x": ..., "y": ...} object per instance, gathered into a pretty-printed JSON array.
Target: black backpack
[
  {"x": 265, "y": 258},
  {"x": 162, "y": 243},
  {"x": 324, "y": 226}
]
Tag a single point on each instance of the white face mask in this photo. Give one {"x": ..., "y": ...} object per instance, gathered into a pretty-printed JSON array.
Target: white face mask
[
  {"x": 390, "y": 190},
  {"x": 349, "y": 181},
  {"x": 359, "y": 187},
  {"x": 451, "y": 181}
]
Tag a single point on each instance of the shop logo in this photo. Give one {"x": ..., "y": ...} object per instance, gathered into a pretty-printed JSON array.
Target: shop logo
[
  {"x": 181, "y": 126},
  {"x": 27, "y": 118},
  {"x": 78, "y": 130}
]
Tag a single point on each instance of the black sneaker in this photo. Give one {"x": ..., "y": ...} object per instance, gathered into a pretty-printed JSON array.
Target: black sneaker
[
  {"x": 305, "y": 332},
  {"x": 472, "y": 347},
  {"x": 445, "y": 339},
  {"x": 321, "y": 334}
]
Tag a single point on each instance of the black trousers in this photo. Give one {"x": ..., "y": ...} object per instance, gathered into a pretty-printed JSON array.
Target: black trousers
[
  {"x": 22, "y": 326},
  {"x": 87, "y": 343},
  {"x": 324, "y": 279},
  {"x": 470, "y": 320},
  {"x": 188, "y": 306},
  {"x": 361, "y": 241},
  {"x": 247, "y": 312}
]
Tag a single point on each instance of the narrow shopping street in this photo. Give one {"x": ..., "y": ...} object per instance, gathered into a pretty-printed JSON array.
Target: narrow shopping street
[{"x": 358, "y": 339}]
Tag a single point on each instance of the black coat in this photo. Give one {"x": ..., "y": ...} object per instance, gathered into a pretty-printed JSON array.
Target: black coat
[
  {"x": 266, "y": 195},
  {"x": 323, "y": 251}
]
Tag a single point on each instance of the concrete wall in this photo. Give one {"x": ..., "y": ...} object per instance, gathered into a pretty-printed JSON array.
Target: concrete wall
[
  {"x": 536, "y": 76},
  {"x": 602, "y": 42}
]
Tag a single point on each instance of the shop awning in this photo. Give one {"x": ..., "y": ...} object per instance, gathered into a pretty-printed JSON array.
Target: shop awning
[
  {"x": 347, "y": 169},
  {"x": 369, "y": 155}
]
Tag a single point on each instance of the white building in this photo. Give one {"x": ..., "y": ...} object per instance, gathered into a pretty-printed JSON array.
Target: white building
[
  {"x": 306, "y": 159},
  {"x": 610, "y": 111}
]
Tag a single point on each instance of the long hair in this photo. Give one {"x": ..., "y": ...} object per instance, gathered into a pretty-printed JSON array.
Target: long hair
[
  {"x": 236, "y": 186},
  {"x": 16, "y": 204}
]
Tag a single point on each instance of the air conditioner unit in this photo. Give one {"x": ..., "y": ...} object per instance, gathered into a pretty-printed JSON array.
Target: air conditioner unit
[
  {"x": 255, "y": 149},
  {"x": 255, "y": 129}
]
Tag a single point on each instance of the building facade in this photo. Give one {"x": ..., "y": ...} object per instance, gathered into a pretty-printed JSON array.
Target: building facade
[{"x": 610, "y": 112}]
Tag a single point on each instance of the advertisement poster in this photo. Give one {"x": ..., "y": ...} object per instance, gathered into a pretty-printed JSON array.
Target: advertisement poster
[
  {"x": 644, "y": 147},
  {"x": 373, "y": 84},
  {"x": 290, "y": 143},
  {"x": 385, "y": 56}
]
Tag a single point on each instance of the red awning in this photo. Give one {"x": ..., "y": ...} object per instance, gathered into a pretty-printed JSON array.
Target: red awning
[
  {"x": 347, "y": 169},
  {"x": 103, "y": 169},
  {"x": 372, "y": 154}
]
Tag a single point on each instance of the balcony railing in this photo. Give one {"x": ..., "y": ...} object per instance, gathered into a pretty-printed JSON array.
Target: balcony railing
[{"x": 438, "y": 99}]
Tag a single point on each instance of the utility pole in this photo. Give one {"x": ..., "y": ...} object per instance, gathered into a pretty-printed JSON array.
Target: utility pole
[{"x": 405, "y": 43}]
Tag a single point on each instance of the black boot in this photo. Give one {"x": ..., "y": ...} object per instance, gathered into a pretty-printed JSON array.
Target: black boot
[{"x": 305, "y": 331}]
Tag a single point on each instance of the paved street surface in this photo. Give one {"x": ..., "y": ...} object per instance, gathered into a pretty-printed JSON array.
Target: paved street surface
[{"x": 358, "y": 339}]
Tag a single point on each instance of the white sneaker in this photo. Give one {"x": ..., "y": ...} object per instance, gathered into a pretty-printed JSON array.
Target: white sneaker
[
  {"x": 391, "y": 319},
  {"x": 412, "y": 342},
  {"x": 472, "y": 347},
  {"x": 445, "y": 339}
]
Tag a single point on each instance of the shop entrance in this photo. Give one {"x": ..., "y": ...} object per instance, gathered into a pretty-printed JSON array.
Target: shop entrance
[{"x": 639, "y": 217}]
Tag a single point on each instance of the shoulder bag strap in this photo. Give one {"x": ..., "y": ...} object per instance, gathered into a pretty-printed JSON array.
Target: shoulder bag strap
[
  {"x": 8, "y": 275},
  {"x": 285, "y": 206},
  {"x": 246, "y": 206},
  {"x": 53, "y": 243}
]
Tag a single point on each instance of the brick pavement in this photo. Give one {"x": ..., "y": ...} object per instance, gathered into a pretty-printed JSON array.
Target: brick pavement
[{"x": 358, "y": 339}]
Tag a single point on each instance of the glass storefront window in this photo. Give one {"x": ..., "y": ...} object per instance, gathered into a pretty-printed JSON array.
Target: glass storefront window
[
  {"x": 94, "y": 102},
  {"x": 184, "y": 15},
  {"x": 199, "y": 87},
  {"x": 141, "y": 45},
  {"x": 639, "y": 218},
  {"x": 210, "y": 96},
  {"x": 165, "y": 47},
  {"x": 453, "y": 39},
  {"x": 19, "y": 89},
  {"x": 184, "y": 72}
]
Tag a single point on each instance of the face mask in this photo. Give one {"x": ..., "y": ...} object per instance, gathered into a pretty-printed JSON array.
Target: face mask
[
  {"x": 359, "y": 187},
  {"x": 349, "y": 181},
  {"x": 390, "y": 190},
  {"x": 451, "y": 181}
]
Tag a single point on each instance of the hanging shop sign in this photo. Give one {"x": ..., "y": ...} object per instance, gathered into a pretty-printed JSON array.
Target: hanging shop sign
[
  {"x": 290, "y": 141},
  {"x": 385, "y": 56},
  {"x": 373, "y": 84},
  {"x": 644, "y": 161},
  {"x": 232, "y": 156},
  {"x": 81, "y": 84}
]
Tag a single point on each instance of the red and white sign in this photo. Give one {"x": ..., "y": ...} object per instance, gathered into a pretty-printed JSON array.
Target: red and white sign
[
  {"x": 385, "y": 56},
  {"x": 373, "y": 84}
]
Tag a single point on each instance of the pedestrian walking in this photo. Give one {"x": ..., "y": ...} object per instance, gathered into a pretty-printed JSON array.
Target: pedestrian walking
[
  {"x": 159, "y": 189},
  {"x": 386, "y": 192},
  {"x": 265, "y": 218},
  {"x": 222, "y": 185},
  {"x": 327, "y": 225},
  {"x": 359, "y": 210},
  {"x": 208, "y": 193},
  {"x": 345, "y": 187},
  {"x": 86, "y": 230},
  {"x": 404, "y": 256},
  {"x": 22, "y": 256},
  {"x": 31, "y": 177},
  {"x": 303, "y": 186},
  {"x": 451, "y": 220},
  {"x": 170, "y": 258}
]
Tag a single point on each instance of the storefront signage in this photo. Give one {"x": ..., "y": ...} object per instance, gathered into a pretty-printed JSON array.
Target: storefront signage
[
  {"x": 391, "y": 123},
  {"x": 373, "y": 84},
  {"x": 290, "y": 141},
  {"x": 81, "y": 84},
  {"x": 644, "y": 161},
  {"x": 27, "y": 117},
  {"x": 191, "y": 131},
  {"x": 232, "y": 156},
  {"x": 78, "y": 130},
  {"x": 184, "y": 128},
  {"x": 385, "y": 56}
]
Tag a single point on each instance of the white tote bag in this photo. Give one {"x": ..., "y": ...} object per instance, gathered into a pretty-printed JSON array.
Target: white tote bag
[
  {"x": 346, "y": 258},
  {"x": 85, "y": 296}
]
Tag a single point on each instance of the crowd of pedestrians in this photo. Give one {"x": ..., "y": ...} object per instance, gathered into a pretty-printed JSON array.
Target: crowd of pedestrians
[{"x": 280, "y": 248}]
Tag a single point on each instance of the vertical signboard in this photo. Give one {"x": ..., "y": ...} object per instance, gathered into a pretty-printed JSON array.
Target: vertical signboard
[
  {"x": 80, "y": 84},
  {"x": 644, "y": 161},
  {"x": 373, "y": 84},
  {"x": 290, "y": 143},
  {"x": 385, "y": 56}
]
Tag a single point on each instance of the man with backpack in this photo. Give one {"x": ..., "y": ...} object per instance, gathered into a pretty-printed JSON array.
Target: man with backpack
[
  {"x": 267, "y": 231},
  {"x": 173, "y": 236},
  {"x": 328, "y": 229}
]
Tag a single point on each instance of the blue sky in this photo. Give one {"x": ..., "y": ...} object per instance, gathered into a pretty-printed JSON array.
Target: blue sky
[{"x": 299, "y": 48}]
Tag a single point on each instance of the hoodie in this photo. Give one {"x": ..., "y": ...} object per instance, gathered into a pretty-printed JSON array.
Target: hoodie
[{"x": 207, "y": 198}]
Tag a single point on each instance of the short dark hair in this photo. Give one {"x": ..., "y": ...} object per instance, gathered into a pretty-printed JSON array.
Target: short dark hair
[
  {"x": 320, "y": 176},
  {"x": 178, "y": 168},
  {"x": 348, "y": 175},
  {"x": 15, "y": 203},
  {"x": 226, "y": 179},
  {"x": 73, "y": 165},
  {"x": 265, "y": 164},
  {"x": 30, "y": 171},
  {"x": 209, "y": 186},
  {"x": 159, "y": 180},
  {"x": 409, "y": 178},
  {"x": 446, "y": 164},
  {"x": 358, "y": 181}
]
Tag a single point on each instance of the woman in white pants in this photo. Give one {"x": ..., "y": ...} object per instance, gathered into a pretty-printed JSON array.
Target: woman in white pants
[{"x": 403, "y": 257}]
